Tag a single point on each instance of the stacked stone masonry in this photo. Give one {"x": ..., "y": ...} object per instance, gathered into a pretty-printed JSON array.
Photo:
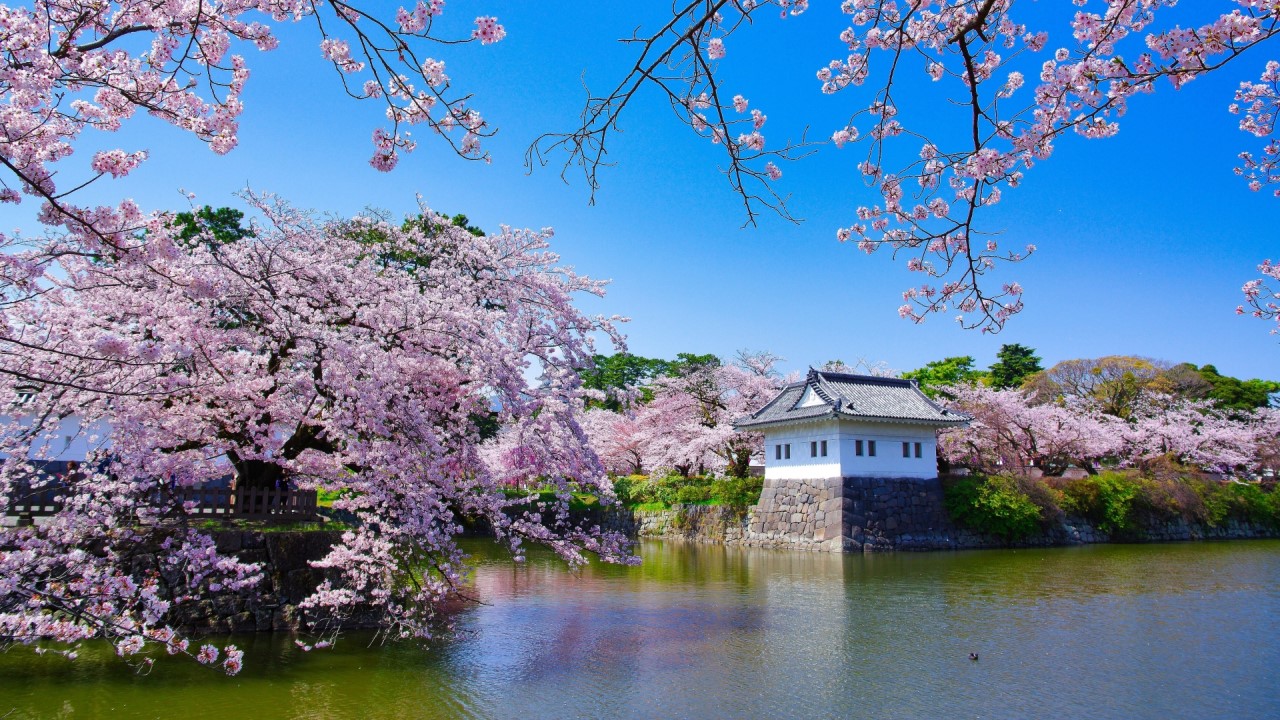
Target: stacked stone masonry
[
  {"x": 272, "y": 605},
  {"x": 879, "y": 514}
]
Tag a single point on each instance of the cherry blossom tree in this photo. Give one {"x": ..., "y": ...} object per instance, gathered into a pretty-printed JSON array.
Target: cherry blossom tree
[
  {"x": 352, "y": 355},
  {"x": 688, "y": 426},
  {"x": 1269, "y": 440},
  {"x": 620, "y": 439},
  {"x": 1014, "y": 78},
  {"x": 1192, "y": 432},
  {"x": 676, "y": 431},
  {"x": 1010, "y": 432}
]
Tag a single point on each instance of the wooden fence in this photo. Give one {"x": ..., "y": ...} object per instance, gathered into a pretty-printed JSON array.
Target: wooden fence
[
  {"x": 208, "y": 502},
  {"x": 29, "y": 502},
  {"x": 250, "y": 503}
]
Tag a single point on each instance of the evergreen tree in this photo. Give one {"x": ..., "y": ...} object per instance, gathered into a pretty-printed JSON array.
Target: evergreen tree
[{"x": 1014, "y": 363}]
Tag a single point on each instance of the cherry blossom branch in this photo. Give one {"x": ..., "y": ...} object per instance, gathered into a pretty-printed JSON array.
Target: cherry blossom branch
[{"x": 679, "y": 60}]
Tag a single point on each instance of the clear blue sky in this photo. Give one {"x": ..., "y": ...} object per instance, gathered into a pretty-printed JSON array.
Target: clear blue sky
[{"x": 1144, "y": 240}]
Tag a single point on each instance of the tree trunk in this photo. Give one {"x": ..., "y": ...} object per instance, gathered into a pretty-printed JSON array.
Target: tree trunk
[
  {"x": 258, "y": 475},
  {"x": 739, "y": 464}
]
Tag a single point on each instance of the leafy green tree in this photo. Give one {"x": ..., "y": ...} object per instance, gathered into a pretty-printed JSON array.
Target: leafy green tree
[
  {"x": 222, "y": 225},
  {"x": 1014, "y": 364},
  {"x": 947, "y": 371},
  {"x": 687, "y": 364},
  {"x": 618, "y": 375},
  {"x": 1116, "y": 382},
  {"x": 1234, "y": 394}
]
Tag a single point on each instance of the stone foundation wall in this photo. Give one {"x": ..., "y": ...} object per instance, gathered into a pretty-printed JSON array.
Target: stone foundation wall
[
  {"x": 704, "y": 523},
  {"x": 803, "y": 514},
  {"x": 883, "y": 514},
  {"x": 272, "y": 605}
]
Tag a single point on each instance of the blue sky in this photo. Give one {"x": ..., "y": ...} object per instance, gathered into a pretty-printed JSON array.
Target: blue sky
[{"x": 1144, "y": 240}]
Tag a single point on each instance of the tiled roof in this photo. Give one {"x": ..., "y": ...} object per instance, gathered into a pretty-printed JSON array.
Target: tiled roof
[{"x": 852, "y": 397}]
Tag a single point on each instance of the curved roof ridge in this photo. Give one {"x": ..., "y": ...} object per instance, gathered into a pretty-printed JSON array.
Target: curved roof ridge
[
  {"x": 854, "y": 397},
  {"x": 868, "y": 379}
]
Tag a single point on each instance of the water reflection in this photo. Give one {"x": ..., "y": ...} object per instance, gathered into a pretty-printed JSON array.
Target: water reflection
[{"x": 706, "y": 631}]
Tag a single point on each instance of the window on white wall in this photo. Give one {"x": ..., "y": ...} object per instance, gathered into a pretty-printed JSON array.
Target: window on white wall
[
  {"x": 917, "y": 449},
  {"x": 824, "y": 448},
  {"x": 786, "y": 451},
  {"x": 813, "y": 448},
  {"x": 906, "y": 449},
  {"x": 857, "y": 448},
  {"x": 777, "y": 452},
  {"x": 871, "y": 448}
]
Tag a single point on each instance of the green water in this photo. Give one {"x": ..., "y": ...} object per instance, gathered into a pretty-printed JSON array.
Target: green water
[{"x": 1186, "y": 630}]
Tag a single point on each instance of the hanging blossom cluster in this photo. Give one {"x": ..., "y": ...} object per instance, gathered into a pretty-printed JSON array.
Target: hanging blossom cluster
[
  {"x": 1262, "y": 297},
  {"x": 69, "y": 66},
  {"x": 980, "y": 48},
  {"x": 1258, "y": 103},
  {"x": 343, "y": 355},
  {"x": 682, "y": 60},
  {"x": 1003, "y": 81}
]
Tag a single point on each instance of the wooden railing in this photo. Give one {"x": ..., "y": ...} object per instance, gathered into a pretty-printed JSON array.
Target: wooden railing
[
  {"x": 29, "y": 502},
  {"x": 202, "y": 502},
  {"x": 250, "y": 503}
]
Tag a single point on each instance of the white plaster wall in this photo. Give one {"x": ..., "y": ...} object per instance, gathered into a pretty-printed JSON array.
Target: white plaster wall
[
  {"x": 842, "y": 460},
  {"x": 888, "y": 461},
  {"x": 801, "y": 465}
]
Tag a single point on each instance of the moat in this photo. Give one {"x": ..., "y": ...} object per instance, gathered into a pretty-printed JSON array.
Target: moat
[{"x": 704, "y": 631}]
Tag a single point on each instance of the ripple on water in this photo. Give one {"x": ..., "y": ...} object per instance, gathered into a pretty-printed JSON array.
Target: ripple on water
[{"x": 712, "y": 632}]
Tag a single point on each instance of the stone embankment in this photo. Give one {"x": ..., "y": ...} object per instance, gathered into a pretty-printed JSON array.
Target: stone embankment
[
  {"x": 885, "y": 514},
  {"x": 272, "y": 605}
]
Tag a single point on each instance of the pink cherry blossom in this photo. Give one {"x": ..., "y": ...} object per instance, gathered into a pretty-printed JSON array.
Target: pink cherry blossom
[
  {"x": 79, "y": 64},
  {"x": 488, "y": 31}
]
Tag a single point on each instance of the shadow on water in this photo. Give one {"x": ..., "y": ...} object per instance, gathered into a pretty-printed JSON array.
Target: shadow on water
[{"x": 707, "y": 631}]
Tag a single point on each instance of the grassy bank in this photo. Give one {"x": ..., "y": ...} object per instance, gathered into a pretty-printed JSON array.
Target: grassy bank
[
  {"x": 1118, "y": 502},
  {"x": 655, "y": 493}
]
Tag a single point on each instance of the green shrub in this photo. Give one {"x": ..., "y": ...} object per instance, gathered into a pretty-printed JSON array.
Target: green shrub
[
  {"x": 624, "y": 487},
  {"x": 690, "y": 494},
  {"x": 994, "y": 505},
  {"x": 1248, "y": 503},
  {"x": 738, "y": 492},
  {"x": 1170, "y": 497},
  {"x": 1107, "y": 499},
  {"x": 637, "y": 490}
]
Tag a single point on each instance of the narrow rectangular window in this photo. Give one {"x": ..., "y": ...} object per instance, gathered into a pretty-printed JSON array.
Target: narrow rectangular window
[
  {"x": 813, "y": 448},
  {"x": 824, "y": 448},
  {"x": 871, "y": 448},
  {"x": 917, "y": 449},
  {"x": 786, "y": 451},
  {"x": 857, "y": 448},
  {"x": 906, "y": 449},
  {"x": 777, "y": 452}
]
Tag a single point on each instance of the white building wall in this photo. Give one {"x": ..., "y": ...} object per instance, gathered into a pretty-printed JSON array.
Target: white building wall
[
  {"x": 802, "y": 465},
  {"x": 842, "y": 459},
  {"x": 888, "y": 460}
]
